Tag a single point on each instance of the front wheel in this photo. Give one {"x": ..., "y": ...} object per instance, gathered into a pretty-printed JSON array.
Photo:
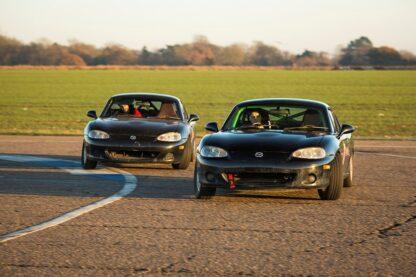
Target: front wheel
[
  {"x": 200, "y": 191},
  {"x": 186, "y": 159},
  {"x": 193, "y": 156},
  {"x": 85, "y": 161},
  {"x": 333, "y": 191}
]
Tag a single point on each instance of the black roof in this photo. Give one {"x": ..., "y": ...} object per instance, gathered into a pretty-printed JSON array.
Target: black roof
[
  {"x": 158, "y": 96},
  {"x": 285, "y": 101}
]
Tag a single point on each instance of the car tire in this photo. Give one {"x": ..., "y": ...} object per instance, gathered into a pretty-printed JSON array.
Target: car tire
[
  {"x": 201, "y": 191},
  {"x": 187, "y": 156},
  {"x": 193, "y": 156},
  {"x": 348, "y": 182},
  {"x": 334, "y": 189},
  {"x": 85, "y": 161}
]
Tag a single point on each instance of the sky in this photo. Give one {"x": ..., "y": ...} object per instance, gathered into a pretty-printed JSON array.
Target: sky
[{"x": 292, "y": 25}]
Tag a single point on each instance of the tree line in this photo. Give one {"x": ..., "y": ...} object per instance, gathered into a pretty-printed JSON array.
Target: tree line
[{"x": 359, "y": 52}]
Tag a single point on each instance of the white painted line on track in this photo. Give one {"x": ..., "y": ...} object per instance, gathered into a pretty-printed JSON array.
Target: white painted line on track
[
  {"x": 130, "y": 184},
  {"x": 387, "y": 155},
  {"x": 26, "y": 159}
]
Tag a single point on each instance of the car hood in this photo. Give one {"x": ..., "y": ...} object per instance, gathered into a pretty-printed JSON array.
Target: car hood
[
  {"x": 263, "y": 141},
  {"x": 141, "y": 127}
]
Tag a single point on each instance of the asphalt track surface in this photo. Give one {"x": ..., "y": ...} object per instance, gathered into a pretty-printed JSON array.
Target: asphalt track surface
[{"x": 159, "y": 228}]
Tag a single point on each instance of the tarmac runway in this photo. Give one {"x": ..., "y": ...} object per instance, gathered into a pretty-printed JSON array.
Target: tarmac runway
[{"x": 147, "y": 220}]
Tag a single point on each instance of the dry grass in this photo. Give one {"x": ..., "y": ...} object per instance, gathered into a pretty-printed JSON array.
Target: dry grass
[{"x": 379, "y": 103}]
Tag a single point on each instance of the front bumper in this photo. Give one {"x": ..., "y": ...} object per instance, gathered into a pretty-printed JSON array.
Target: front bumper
[
  {"x": 263, "y": 174},
  {"x": 131, "y": 152}
]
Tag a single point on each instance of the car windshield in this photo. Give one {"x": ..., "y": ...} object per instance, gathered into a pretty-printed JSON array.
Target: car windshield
[
  {"x": 137, "y": 107},
  {"x": 277, "y": 117}
]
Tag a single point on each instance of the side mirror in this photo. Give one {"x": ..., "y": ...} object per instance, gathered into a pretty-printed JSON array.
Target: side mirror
[
  {"x": 212, "y": 127},
  {"x": 92, "y": 114},
  {"x": 193, "y": 117},
  {"x": 346, "y": 129}
]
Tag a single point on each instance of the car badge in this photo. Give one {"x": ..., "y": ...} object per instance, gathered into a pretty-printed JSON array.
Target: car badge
[
  {"x": 258, "y": 154},
  {"x": 133, "y": 137}
]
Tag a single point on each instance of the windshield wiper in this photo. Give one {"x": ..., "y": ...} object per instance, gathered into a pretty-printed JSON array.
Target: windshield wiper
[{"x": 306, "y": 128}]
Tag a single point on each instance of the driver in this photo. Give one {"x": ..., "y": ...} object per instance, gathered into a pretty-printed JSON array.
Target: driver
[
  {"x": 255, "y": 118},
  {"x": 125, "y": 108}
]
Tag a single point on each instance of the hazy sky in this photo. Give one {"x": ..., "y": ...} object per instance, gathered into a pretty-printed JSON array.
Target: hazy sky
[{"x": 291, "y": 25}]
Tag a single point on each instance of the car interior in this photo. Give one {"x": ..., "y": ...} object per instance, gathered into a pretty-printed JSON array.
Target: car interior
[
  {"x": 278, "y": 117},
  {"x": 135, "y": 108}
]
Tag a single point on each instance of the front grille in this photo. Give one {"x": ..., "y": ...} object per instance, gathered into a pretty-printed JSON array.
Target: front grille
[
  {"x": 264, "y": 178},
  {"x": 266, "y": 155},
  {"x": 127, "y": 137},
  {"x": 131, "y": 155}
]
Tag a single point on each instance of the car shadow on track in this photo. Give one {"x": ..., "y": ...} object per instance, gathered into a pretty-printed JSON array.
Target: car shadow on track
[
  {"x": 47, "y": 178},
  {"x": 173, "y": 187},
  {"x": 154, "y": 181}
]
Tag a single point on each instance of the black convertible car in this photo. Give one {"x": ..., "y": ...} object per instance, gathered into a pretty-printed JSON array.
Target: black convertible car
[
  {"x": 140, "y": 128},
  {"x": 264, "y": 143}
]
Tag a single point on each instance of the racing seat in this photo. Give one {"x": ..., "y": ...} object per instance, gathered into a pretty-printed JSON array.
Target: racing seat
[
  {"x": 167, "y": 110},
  {"x": 312, "y": 117}
]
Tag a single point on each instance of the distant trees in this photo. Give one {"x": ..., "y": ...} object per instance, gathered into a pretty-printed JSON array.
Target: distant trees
[
  {"x": 234, "y": 54},
  {"x": 265, "y": 55},
  {"x": 87, "y": 52},
  {"x": 384, "y": 56},
  {"x": 10, "y": 51},
  {"x": 115, "y": 54},
  {"x": 146, "y": 57},
  {"x": 408, "y": 57},
  {"x": 356, "y": 52},
  {"x": 310, "y": 58},
  {"x": 171, "y": 55},
  {"x": 200, "y": 52},
  {"x": 359, "y": 52}
]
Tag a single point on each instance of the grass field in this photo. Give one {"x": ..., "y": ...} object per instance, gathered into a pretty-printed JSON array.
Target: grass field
[{"x": 380, "y": 103}]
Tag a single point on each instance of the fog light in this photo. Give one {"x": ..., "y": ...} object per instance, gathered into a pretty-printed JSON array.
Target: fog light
[
  {"x": 181, "y": 147},
  {"x": 210, "y": 177},
  {"x": 327, "y": 167},
  {"x": 311, "y": 178},
  {"x": 168, "y": 157}
]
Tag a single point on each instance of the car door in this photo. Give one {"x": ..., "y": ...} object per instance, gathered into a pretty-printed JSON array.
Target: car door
[
  {"x": 345, "y": 143},
  {"x": 191, "y": 127}
]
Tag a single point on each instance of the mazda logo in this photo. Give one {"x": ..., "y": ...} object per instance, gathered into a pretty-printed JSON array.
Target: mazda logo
[
  {"x": 133, "y": 137},
  {"x": 258, "y": 154}
]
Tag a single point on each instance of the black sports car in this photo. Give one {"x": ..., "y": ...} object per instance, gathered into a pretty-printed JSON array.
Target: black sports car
[
  {"x": 264, "y": 143},
  {"x": 140, "y": 128}
]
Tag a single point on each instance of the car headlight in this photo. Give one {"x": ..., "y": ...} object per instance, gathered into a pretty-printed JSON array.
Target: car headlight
[
  {"x": 310, "y": 153},
  {"x": 97, "y": 134},
  {"x": 213, "y": 152},
  {"x": 170, "y": 137}
]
